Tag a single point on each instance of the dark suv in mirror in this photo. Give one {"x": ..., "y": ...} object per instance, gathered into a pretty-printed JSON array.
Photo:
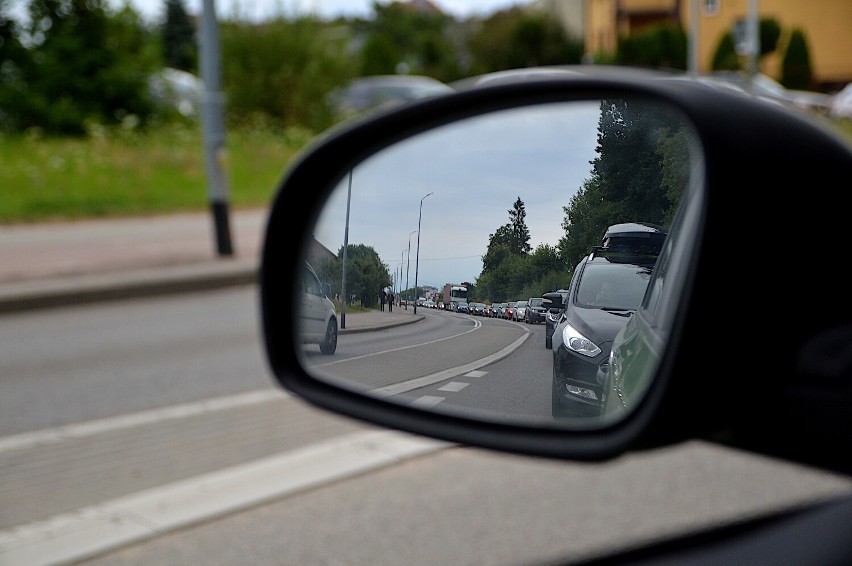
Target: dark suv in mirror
[{"x": 606, "y": 289}]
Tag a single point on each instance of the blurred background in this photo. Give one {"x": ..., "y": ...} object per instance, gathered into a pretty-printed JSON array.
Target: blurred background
[{"x": 80, "y": 79}]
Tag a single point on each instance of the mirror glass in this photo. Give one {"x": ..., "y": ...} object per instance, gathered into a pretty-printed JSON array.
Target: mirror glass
[{"x": 457, "y": 238}]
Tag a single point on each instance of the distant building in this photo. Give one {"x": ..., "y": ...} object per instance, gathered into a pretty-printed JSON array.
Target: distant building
[
  {"x": 317, "y": 251},
  {"x": 825, "y": 23}
]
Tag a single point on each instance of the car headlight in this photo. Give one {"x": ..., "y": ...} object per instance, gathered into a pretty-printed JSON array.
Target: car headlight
[{"x": 576, "y": 342}]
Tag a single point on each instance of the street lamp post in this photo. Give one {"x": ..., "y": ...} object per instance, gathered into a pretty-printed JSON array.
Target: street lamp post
[
  {"x": 417, "y": 260},
  {"x": 408, "y": 269},
  {"x": 401, "y": 263}
]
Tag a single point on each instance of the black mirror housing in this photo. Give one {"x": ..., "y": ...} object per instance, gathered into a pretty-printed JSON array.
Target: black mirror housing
[{"x": 785, "y": 389}]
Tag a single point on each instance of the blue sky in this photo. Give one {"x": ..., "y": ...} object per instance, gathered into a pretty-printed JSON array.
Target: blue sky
[{"x": 475, "y": 173}]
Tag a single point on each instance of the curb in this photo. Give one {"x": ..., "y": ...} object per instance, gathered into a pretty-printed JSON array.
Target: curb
[
  {"x": 381, "y": 326},
  {"x": 47, "y": 293}
]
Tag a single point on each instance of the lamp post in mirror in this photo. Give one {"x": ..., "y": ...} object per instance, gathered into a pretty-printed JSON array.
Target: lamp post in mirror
[
  {"x": 408, "y": 269},
  {"x": 417, "y": 255},
  {"x": 401, "y": 264}
]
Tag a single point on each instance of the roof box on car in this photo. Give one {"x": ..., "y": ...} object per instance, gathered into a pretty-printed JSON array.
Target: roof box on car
[{"x": 636, "y": 237}]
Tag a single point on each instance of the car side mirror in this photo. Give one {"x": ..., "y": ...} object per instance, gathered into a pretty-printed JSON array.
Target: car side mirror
[
  {"x": 679, "y": 368},
  {"x": 552, "y": 301}
]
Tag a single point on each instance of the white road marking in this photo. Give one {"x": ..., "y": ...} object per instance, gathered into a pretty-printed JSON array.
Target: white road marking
[
  {"x": 427, "y": 401},
  {"x": 412, "y": 384},
  {"x": 91, "y": 428},
  {"x": 476, "y": 373},
  {"x": 476, "y": 326},
  {"x": 453, "y": 386},
  {"x": 93, "y": 530}
]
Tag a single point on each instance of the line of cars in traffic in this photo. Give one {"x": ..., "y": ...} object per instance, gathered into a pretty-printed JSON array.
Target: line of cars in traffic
[
  {"x": 582, "y": 321},
  {"x": 530, "y": 311}
]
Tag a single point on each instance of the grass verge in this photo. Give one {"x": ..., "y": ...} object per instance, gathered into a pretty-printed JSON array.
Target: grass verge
[{"x": 121, "y": 173}]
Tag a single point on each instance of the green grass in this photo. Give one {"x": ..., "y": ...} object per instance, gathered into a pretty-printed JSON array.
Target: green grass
[
  {"x": 121, "y": 173},
  {"x": 160, "y": 170}
]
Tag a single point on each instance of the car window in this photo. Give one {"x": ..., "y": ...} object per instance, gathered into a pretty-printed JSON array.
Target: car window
[
  {"x": 613, "y": 285},
  {"x": 312, "y": 284}
]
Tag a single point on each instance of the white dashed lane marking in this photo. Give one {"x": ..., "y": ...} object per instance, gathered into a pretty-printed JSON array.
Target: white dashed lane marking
[{"x": 428, "y": 401}]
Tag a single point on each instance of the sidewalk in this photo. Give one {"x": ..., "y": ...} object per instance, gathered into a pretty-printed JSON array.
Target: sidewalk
[{"x": 62, "y": 263}]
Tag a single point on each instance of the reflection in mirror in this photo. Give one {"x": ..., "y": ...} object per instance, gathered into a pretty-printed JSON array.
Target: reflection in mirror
[{"x": 445, "y": 232}]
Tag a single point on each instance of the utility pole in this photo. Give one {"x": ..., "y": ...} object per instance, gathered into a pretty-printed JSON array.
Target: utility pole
[
  {"x": 407, "y": 271},
  {"x": 213, "y": 126},
  {"x": 753, "y": 35},
  {"x": 417, "y": 260},
  {"x": 693, "y": 37},
  {"x": 344, "y": 299}
]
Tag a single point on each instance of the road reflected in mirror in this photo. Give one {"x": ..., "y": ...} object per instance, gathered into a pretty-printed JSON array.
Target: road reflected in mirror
[{"x": 514, "y": 266}]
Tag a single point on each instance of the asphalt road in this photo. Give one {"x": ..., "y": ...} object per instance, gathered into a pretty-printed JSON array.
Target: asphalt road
[{"x": 167, "y": 442}]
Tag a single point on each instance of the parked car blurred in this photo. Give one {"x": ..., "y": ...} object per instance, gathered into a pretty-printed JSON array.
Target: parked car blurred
[
  {"x": 535, "y": 310},
  {"x": 463, "y": 307},
  {"x": 384, "y": 91},
  {"x": 176, "y": 89},
  {"x": 840, "y": 105},
  {"x": 498, "y": 310},
  {"x": 766, "y": 87}
]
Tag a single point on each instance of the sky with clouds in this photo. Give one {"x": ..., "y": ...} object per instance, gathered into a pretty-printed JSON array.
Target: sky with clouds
[
  {"x": 475, "y": 171},
  {"x": 261, "y": 9},
  {"x": 258, "y": 10}
]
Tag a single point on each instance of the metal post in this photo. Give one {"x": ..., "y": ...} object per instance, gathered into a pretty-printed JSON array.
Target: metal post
[
  {"x": 417, "y": 260},
  {"x": 345, "y": 300},
  {"x": 401, "y": 263},
  {"x": 693, "y": 37},
  {"x": 753, "y": 34},
  {"x": 213, "y": 127},
  {"x": 407, "y": 271}
]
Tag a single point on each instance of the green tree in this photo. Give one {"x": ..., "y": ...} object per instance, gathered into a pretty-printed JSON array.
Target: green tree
[
  {"x": 770, "y": 33},
  {"x": 380, "y": 56},
  {"x": 366, "y": 275},
  {"x": 796, "y": 64},
  {"x": 15, "y": 58},
  {"x": 85, "y": 66},
  {"x": 498, "y": 249},
  {"x": 632, "y": 180},
  {"x": 507, "y": 265},
  {"x": 519, "y": 234},
  {"x": 416, "y": 41},
  {"x": 661, "y": 46},
  {"x": 180, "y": 49},
  {"x": 725, "y": 57},
  {"x": 283, "y": 70},
  {"x": 545, "y": 259},
  {"x": 515, "y": 38}
]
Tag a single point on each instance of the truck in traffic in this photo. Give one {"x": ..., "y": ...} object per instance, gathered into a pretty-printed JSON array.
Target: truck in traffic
[{"x": 453, "y": 294}]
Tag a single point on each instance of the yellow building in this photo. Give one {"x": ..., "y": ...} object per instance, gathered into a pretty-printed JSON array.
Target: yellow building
[{"x": 827, "y": 25}]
